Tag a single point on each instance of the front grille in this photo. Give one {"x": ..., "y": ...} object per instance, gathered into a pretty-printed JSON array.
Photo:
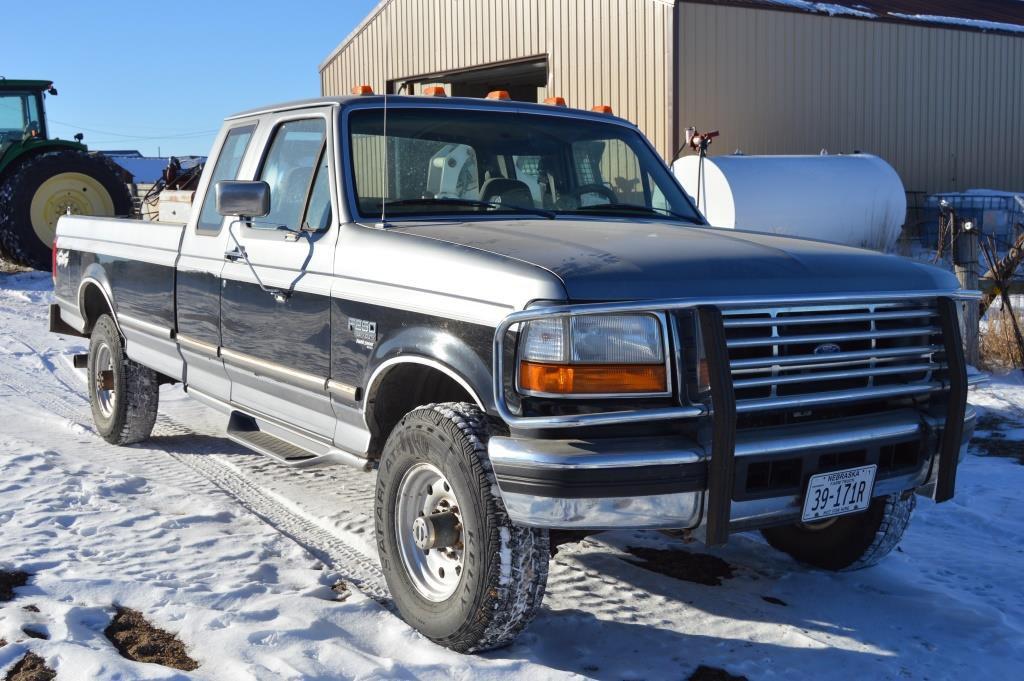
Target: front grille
[{"x": 808, "y": 357}]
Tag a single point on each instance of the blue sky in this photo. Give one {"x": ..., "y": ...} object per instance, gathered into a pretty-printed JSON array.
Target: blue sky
[{"x": 149, "y": 75}]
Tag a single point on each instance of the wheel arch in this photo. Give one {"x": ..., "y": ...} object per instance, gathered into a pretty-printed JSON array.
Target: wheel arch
[
  {"x": 401, "y": 383},
  {"x": 95, "y": 298}
]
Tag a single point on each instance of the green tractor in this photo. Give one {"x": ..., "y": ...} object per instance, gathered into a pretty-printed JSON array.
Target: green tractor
[{"x": 42, "y": 178}]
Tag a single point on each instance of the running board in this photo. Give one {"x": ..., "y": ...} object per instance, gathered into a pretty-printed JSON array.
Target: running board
[{"x": 287, "y": 447}]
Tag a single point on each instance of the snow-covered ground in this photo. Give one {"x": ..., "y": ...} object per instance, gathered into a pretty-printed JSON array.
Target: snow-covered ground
[{"x": 237, "y": 556}]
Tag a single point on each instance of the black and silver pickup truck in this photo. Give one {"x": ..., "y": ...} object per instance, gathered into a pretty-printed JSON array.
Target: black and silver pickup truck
[{"x": 517, "y": 317}]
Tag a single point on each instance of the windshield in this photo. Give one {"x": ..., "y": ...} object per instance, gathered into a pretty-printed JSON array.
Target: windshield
[
  {"x": 19, "y": 117},
  {"x": 443, "y": 161}
]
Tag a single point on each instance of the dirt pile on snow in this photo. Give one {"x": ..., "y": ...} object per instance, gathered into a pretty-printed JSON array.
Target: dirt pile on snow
[
  {"x": 31, "y": 668},
  {"x": 138, "y": 640},
  {"x": 9, "y": 581}
]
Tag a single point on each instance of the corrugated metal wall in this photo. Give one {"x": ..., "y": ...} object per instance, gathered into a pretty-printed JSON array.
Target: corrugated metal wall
[
  {"x": 616, "y": 52},
  {"x": 945, "y": 107}
]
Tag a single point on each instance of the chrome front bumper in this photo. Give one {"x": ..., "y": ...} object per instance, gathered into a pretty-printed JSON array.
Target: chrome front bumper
[{"x": 662, "y": 483}]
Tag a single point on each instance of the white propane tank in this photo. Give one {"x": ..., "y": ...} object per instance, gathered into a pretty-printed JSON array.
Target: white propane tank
[{"x": 853, "y": 199}]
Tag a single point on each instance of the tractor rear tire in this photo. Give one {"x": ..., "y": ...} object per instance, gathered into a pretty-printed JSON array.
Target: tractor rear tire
[{"x": 44, "y": 187}]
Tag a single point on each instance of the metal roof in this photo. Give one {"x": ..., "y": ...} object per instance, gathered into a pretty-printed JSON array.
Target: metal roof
[{"x": 1001, "y": 16}]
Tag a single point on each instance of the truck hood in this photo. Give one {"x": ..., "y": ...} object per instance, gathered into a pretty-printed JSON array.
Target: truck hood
[{"x": 605, "y": 260}]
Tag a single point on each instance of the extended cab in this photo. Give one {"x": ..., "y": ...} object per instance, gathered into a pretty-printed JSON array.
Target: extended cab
[{"x": 515, "y": 314}]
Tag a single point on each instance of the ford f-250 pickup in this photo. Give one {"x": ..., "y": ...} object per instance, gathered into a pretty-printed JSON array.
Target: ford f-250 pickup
[{"x": 517, "y": 317}]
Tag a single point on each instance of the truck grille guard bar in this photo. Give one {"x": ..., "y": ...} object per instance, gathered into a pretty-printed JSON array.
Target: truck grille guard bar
[{"x": 723, "y": 407}]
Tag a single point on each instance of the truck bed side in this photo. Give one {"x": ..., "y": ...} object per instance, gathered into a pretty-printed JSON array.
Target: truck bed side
[{"x": 124, "y": 267}]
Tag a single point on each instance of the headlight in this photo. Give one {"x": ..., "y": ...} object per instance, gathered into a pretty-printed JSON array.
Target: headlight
[{"x": 593, "y": 355}]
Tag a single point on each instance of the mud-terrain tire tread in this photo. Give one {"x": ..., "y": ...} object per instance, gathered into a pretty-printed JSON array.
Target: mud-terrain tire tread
[
  {"x": 853, "y": 542},
  {"x": 508, "y": 596},
  {"x": 18, "y": 241},
  {"x": 137, "y": 388}
]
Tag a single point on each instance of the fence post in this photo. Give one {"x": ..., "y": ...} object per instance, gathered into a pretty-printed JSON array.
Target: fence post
[{"x": 966, "y": 266}]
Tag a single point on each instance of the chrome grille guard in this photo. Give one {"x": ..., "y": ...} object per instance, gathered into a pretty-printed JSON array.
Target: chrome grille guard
[{"x": 723, "y": 406}]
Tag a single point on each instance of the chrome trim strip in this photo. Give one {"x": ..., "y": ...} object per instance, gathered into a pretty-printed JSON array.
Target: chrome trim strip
[
  {"x": 197, "y": 346},
  {"x": 275, "y": 371},
  {"x": 836, "y": 397},
  {"x": 829, "y": 319},
  {"x": 663, "y": 305},
  {"x": 569, "y": 455},
  {"x": 827, "y": 337},
  {"x": 349, "y": 392},
  {"x": 834, "y": 358},
  {"x": 835, "y": 375},
  {"x": 828, "y": 434},
  {"x": 107, "y": 296},
  {"x": 145, "y": 327}
]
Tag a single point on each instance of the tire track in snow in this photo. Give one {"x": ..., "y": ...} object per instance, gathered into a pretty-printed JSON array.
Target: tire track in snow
[{"x": 359, "y": 569}]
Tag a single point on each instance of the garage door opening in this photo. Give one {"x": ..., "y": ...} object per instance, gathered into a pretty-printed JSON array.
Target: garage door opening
[{"x": 524, "y": 80}]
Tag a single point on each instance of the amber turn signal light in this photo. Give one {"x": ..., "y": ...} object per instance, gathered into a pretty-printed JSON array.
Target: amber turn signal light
[{"x": 592, "y": 379}]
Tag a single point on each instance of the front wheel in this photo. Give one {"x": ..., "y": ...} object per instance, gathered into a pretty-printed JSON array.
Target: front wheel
[
  {"x": 123, "y": 394},
  {"x": 848, "y": 542},
  {"x": 459, "y": 571}
]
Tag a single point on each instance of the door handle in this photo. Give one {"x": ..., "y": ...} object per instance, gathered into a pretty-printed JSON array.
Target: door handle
[{"x": 235, "y": 254}]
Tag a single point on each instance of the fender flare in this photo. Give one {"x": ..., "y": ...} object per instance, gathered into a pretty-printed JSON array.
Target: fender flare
[{"x": 95, "y": 275}]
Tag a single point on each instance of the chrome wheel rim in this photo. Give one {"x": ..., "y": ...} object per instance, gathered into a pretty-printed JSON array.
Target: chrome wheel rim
[
  {"x": 103, "y": 370},
  {"x": 435, "y": 573}
]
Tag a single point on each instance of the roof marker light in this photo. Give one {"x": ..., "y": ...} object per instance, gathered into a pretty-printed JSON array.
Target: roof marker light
[
  {"x": 498, "y": 94},
  {"x": 555, "y": 101},
  {"x": 435, "y": 91},
  {"x": 363, "y": 89},
  {"x": 602, "y": 108}
]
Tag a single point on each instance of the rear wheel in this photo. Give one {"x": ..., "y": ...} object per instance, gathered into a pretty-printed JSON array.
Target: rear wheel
[
  {"x": 848, "y": 542},
  {"x": 47, "y": 186},
  {"x": 458, "y": 569},
  {"x": 123, "y": 394}
]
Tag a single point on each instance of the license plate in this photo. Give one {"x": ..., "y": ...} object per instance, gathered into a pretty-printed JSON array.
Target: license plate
[{"x": 839, "y": 493}]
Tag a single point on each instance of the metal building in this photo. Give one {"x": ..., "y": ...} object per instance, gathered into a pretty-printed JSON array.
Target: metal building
[{"x": 936, "y": 87}]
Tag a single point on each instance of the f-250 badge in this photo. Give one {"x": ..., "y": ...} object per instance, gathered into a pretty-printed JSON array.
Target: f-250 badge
[{"x": 365, "y": 332}]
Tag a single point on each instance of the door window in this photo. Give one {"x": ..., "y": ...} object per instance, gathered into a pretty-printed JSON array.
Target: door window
[
  {"x": 228, "y": 162},
  {"x": 289, "y": 168}
]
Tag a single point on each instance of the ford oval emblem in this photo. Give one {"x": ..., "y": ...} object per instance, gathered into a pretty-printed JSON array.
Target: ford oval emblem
[{"x": 827, "y": 349}]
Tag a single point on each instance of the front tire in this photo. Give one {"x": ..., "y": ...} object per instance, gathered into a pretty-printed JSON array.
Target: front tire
[
  {"x": 47, "y": 186},
  {"x": 123, "y": 394},
  {"x": 435, "y": 465},
  {"x": 849, "y": 542}
]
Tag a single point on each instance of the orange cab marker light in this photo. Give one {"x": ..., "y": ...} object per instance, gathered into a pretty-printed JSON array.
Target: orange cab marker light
[
  {"x": 602, "y": 108},
  {"x": 363, "y": 89},
  {"x": 555, "y": 101},
  {"x": 592, "y": 379},
  {"x": 498, "y": 94},
  {"x": 435, "y": 91}
]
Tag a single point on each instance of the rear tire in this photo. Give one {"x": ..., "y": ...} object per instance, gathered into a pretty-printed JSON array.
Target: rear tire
[
  {"x": 46, "y": 186},
  {"x": 123, "y": 394},
  {"x": 849, "y": 542},
  {"x": 502, "y": 568}
]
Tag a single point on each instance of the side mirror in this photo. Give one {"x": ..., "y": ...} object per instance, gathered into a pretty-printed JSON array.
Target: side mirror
[{"x": 242, "y": 198}]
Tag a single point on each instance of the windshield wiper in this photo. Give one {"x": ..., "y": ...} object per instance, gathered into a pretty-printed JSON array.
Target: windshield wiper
[
  {"x": 633, "y": 208},
  {"x": 470, "y": 203}
]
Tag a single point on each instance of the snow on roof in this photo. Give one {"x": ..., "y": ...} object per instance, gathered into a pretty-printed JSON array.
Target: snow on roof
[{"x": 1005, "y": 16}]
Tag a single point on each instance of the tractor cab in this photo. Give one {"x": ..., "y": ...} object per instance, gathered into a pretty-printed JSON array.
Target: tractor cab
[
  {"x": 22, "y": 116},
  {"x": 43, "y": 178}
]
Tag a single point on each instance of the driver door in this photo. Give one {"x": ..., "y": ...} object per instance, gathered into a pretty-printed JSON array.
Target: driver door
[{"x": 276, "y": 315}]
